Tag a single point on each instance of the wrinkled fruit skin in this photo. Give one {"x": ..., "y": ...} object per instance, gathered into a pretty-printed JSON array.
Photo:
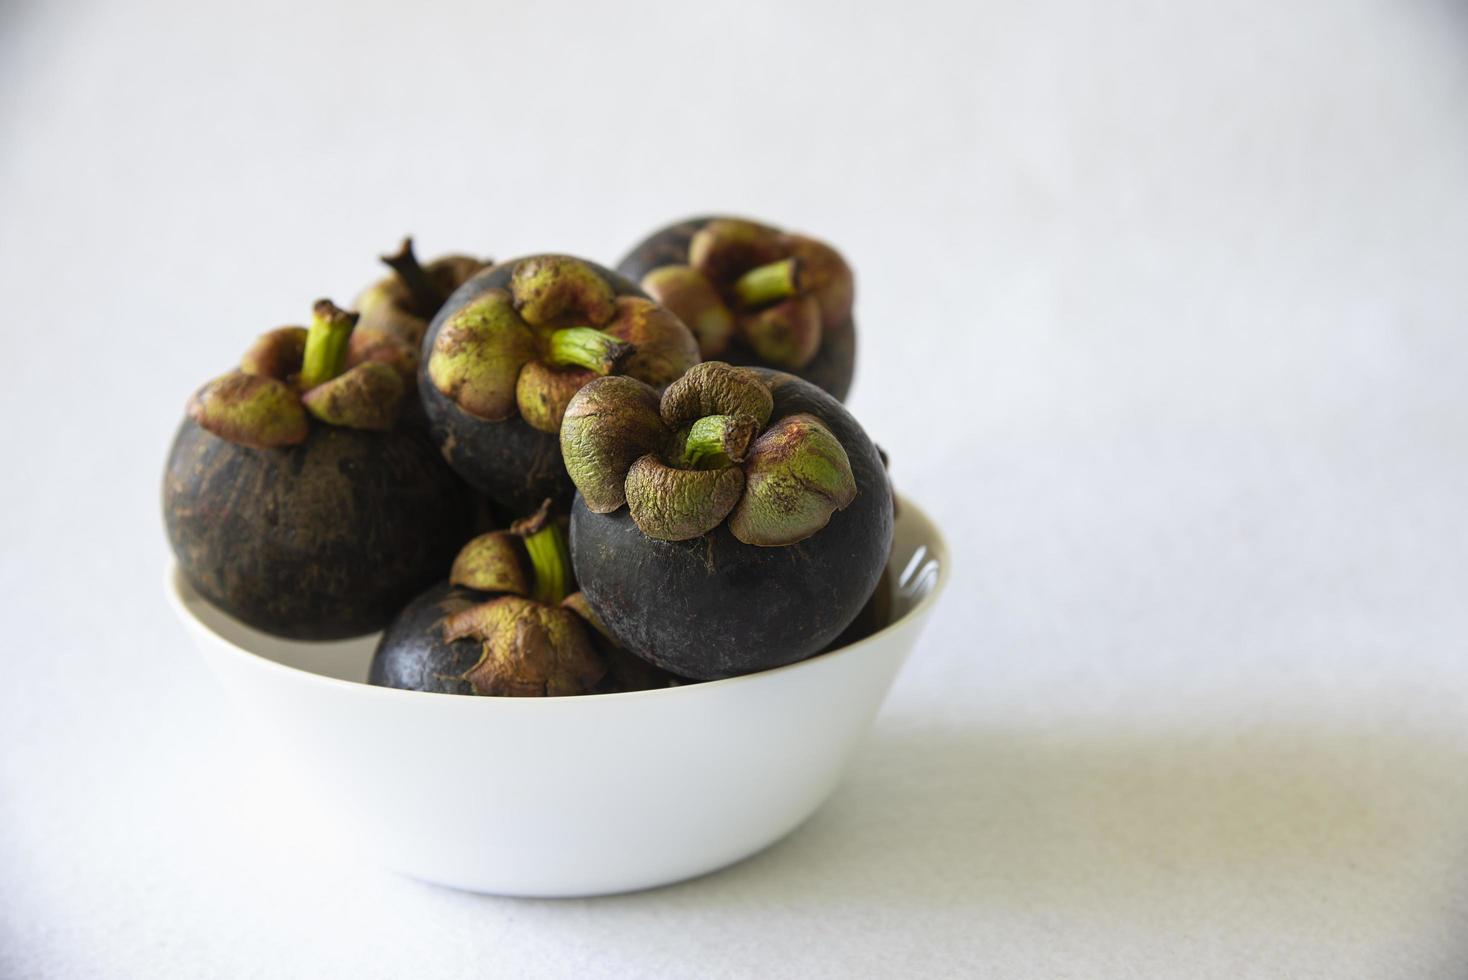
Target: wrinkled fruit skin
[
  {"x": 512, "y": 463},
  {"x": 714, "y": 607},
  {"x": 319, "y": 541},
  {"x": 413, "y": 655},
  {"x": 834, "y": 363}
]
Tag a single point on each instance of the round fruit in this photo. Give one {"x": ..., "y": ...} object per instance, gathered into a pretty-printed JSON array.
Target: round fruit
[
  {"x": 737, "y": 522},
  {"x": 293, "y": 499}
]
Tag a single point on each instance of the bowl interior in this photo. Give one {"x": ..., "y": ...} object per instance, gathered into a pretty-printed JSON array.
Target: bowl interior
[{"x": 918, "y": 567}]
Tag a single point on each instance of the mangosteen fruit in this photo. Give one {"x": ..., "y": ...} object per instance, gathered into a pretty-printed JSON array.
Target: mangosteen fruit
[
  {"x": 736, "y": 522},
  {"x": 754, "y": 295},
  {"x": 296, "y": 502},
  {"x": 503, "y": 624},
  {"x": 511, "y": 347}
]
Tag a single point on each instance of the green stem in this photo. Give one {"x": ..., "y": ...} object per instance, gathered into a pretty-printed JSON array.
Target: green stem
[
  {"x": 423, "y": 293},
  {"x": 326, "y": 344},
  {"x": 588, "y": 348},
  {"x": 769, "y": 283},
  {"x": 550, "y": 557},
  {"x": 717, "y": 440}
]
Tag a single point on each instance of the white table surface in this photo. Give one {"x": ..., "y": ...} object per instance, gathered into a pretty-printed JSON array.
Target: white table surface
[{"x": 1164, "y": 315}]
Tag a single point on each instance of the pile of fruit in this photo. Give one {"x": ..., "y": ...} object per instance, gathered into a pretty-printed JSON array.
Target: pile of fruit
[{"x": 542, "y": 477}]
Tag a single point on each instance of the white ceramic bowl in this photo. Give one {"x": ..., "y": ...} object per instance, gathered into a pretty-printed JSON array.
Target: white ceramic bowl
[{"x": 567, "y": 796}]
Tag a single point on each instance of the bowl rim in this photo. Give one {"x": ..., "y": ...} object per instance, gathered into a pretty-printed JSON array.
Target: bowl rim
[{"x": 174, "y": 585}]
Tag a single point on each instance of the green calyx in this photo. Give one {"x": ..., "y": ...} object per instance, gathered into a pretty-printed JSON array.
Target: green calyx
[
  {"x": 796, "y": 477},
  {"x": 825, "y": 276},
  {"x": 662, "y": 347},
  {"x": 674, "y": 505},
  {"x": 768, "y": 283},
  {"x": 325, "y": 354},
  {"x": 548, "y": 288},
  {"x": 251, "y": 410},
  {"x": 686, "y": 462},
  {"x": 367, "y": 396},
  {"x": 689, "y": 295},
  {"x": 532, "y": 559},
  {"x": 493, "y": 562},
  {"x": 726, "y": 248},
  {"x": 292, "y": 374},
  {"x": 477, "y": 356},
  {"x": 608, "y": 425},
  {"x": 787, "y": 335},
  {"x": 588, "y": 348},
  {"x": 534, "y": 640},
  {"x": 528, "y": 349},
  {"x": 716, "y": 441},
  {"x": 276, "y": 354},
  {"x": 785, "y": 290},
  {"x": 716, "y": 388},
  {"x": 527, "y": 649}
]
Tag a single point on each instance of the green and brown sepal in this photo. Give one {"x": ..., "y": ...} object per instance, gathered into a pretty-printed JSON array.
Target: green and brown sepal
[
  {"x": 609, "y": 425},
  {"x": 276, "y": 354},
  {"x": 477, "y": 356},
  {"x": 524, "y": 350},
  {"x": 688, "y": 460},
  {"x": 250, "y": 409},
  {"x": 689, "y": 295},
  {"x": 368, "y": 396},
  {"x": 292, "y": 372},
  {"x": 535, "y": 640},
  {"x": 797, "y": 475},
  {"x": 527, "y": 649},
  {"x": 777, "y": 292}
]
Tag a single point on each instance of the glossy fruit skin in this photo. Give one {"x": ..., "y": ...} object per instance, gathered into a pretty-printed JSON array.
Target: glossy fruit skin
[
  {"x": 715, "y": 607},
  {"x": 515, "y": 465},
  {"x": 318, "y": 541},
  {"x": 834, "y": 363},
  {"x": 413, "y": 655}
]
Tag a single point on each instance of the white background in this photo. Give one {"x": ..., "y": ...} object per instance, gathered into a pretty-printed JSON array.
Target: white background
[{"x": 1164, "y": 316}]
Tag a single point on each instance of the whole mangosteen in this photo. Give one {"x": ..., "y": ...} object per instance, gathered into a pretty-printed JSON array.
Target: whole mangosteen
[
  {"x": 503, "y": 624},
  {"x": 294, "y": 499},
  {"x": 503, "y": 357},
  {"x": 754, "y": 295},
  {"x": 737, "y": 522}
]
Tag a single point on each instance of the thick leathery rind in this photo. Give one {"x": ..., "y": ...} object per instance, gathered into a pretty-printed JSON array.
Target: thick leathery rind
[
  {"x": 319, "y": 541},
  {"x": 413, "y": 654},
  {"x": 715, "y": 607}
]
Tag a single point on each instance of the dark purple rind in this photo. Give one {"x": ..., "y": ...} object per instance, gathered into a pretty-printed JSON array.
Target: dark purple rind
[
  {"x": 319, "y": 541},
  {"x": 714, "y": 607},
  {"x": 413, "y": 655}
]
